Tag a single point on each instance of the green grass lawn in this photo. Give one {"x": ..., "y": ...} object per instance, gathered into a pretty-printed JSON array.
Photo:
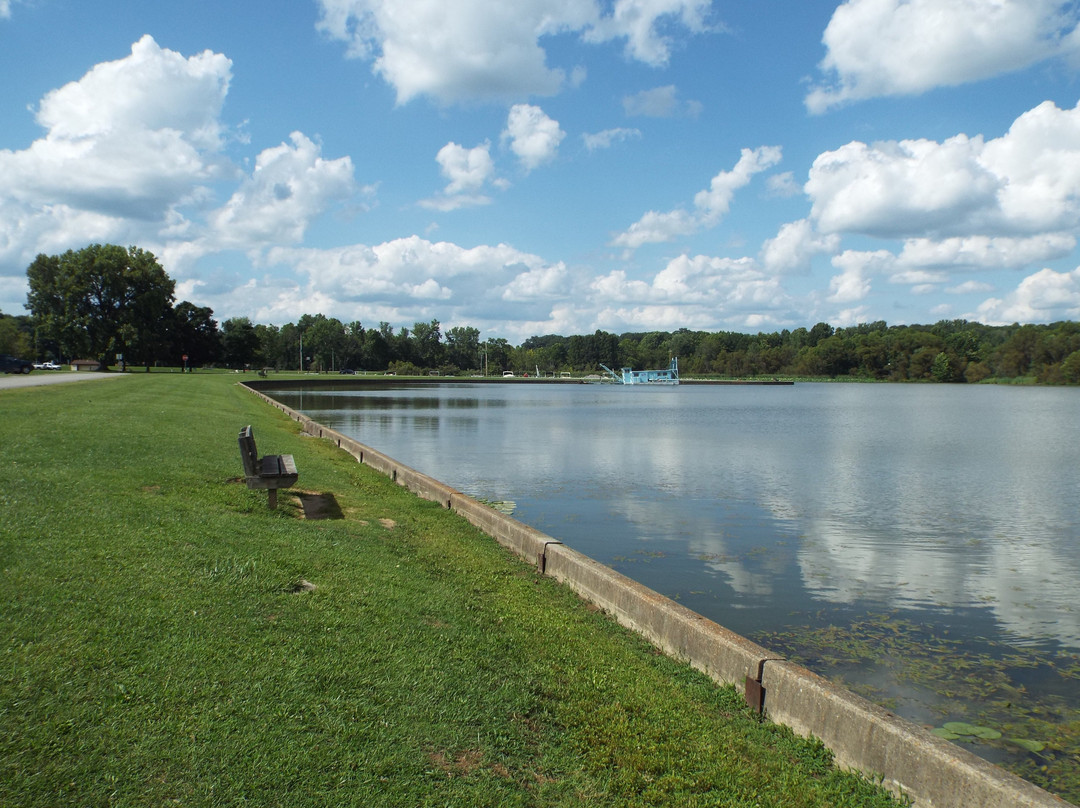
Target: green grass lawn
[{"x": 160, "y": 646}]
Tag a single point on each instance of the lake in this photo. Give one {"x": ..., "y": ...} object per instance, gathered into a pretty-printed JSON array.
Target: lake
[{"x": 920, "y": 543}]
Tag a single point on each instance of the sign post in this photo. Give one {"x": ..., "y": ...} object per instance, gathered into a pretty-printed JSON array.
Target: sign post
[{"x": 185, "y": 370}]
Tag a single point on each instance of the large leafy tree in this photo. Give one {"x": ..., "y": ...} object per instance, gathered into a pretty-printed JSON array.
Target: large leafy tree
[
  {"x": 240, "y": 342},
  {"x": 463, "y": 346},
  {"x": 427, "y": 342},
  {"x": 195, "y": 335},
  {"x": 103, "y": 300},
  {"x": 376, "y": 354},
  {"x": 13, "y": 338},
  {"x": 270, "y": 346},
  {"x": 326, "y": 341}
]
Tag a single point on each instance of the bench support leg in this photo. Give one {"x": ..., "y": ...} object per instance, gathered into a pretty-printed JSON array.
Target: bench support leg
[{"x": 271, "y": 494}]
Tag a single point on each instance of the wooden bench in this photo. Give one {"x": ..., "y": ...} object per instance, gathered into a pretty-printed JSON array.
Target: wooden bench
[{"x": 270, "y": 472}]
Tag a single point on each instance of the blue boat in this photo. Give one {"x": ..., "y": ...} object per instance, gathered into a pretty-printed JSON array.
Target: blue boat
[{"x": 667, "y": 376}]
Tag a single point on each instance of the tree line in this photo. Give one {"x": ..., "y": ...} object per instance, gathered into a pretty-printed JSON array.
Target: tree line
[{"x": 118, "y": 305}]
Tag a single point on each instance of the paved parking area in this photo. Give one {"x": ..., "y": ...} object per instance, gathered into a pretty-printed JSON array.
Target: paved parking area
[{"x": 9, "y": 381}]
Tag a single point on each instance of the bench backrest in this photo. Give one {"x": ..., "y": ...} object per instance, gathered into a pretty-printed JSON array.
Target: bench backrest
[{"x": 248, "y": 452}]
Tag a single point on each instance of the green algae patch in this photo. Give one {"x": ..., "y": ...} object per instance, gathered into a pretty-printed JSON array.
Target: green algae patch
[{"x": 993, "y": 698}]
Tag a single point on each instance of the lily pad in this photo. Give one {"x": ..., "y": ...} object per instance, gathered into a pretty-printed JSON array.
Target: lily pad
[
  {"x": 1029, "y": 745},
  {"x": 963, "y": 728},
  {"x": 941, "y": 732},
  {"x": 507, "y": 506}
]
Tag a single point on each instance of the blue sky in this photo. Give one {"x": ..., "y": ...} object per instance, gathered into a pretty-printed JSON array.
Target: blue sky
[{"x": 555, "y": 166}]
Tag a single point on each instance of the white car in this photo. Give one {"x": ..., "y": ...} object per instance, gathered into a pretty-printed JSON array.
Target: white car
[{"x": 46, "y": 366}]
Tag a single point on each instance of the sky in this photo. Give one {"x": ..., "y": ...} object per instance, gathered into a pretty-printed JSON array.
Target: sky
[{"x": 555, "y": 166}]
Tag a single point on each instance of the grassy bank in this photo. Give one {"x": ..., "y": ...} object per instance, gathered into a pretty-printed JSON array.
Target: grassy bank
[{"x": 169, "y": 640}]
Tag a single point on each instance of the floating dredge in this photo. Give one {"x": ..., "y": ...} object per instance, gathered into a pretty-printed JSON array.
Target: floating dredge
[{"x": 667, "y": 376}]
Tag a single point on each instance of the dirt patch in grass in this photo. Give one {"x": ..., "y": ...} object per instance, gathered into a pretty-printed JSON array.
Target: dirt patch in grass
[{"x": 466, "y": 761}]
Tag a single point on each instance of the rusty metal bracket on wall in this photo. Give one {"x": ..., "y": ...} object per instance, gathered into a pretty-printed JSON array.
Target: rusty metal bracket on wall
[
  {"x": 541, "y": 557},
  {"x": 754, "y": 692}
]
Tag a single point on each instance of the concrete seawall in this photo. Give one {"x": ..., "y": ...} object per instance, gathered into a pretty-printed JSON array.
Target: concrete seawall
[{"x": 933, "y": 772}]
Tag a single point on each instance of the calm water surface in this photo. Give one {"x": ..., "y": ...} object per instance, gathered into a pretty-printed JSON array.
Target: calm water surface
[{"x": 769, "y": 509}]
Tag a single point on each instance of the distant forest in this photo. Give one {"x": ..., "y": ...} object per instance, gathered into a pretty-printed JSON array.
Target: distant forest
[
  {"x": 105, "y": 302},
  {"x": 947, "y": 351}
]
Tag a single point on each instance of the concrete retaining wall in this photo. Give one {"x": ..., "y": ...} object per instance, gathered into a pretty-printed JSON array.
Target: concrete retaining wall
[
  {"x": 867, "y": 737},
  {"x": 910, "y": 761}
]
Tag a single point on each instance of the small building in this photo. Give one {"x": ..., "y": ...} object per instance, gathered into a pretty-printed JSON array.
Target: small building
[{"x": 85, "y": 364}]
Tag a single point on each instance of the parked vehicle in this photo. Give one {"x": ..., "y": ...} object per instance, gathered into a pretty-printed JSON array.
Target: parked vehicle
[
  {"x": 46, "y": 366},
  {"x": 12, "y": 364}
]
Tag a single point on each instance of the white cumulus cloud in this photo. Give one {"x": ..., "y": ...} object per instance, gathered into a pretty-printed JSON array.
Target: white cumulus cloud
[
  {"x": 924, "y": 265},
  {"x": 456, "y": 50},
  {"x": 895, "y": 188},
  {"x": 414, "y": 277},
  {"x": 693, "y": 291},
  {"x": 533, "y": 136},
  {"x": 783, "y": 185},
  {"x": 608, "y": 137},
  {"x": 970, "y": 287},
  {"x": 902, "y": 47},
  {"x": 290, "y": 185},
  {"x": 986, "y": 252},
  {"x": 794, "y": 246},
  {"x": 1025, "y": 183},
  {"x": 638, "y": 21},
  {"x": 153, "y": 88},
  {"x": 535, "y": 283},
  {"x": 467, "y": 169},
  {"x": 1044, "y": 297},
  {"x": 127, "y": 147},
  {"x": 710, "y": 205},
  {"x": 133, "y": 152},
  {"x": 856, "y": 268}
]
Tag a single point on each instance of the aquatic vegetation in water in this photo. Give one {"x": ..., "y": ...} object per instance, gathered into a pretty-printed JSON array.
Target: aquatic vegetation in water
[
  {"x": 1015, "y": 706},
  {"x": 506, "y": 506},
  {"x": 960, "y": 728},
  {"x": 1029, "y": 745},
  {"x": 639, "y": 555}
]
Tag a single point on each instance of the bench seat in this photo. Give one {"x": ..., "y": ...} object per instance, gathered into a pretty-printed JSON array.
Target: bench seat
[
  {"x": 270, "y": 472},
  {"x": 277, "y": 468}
]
